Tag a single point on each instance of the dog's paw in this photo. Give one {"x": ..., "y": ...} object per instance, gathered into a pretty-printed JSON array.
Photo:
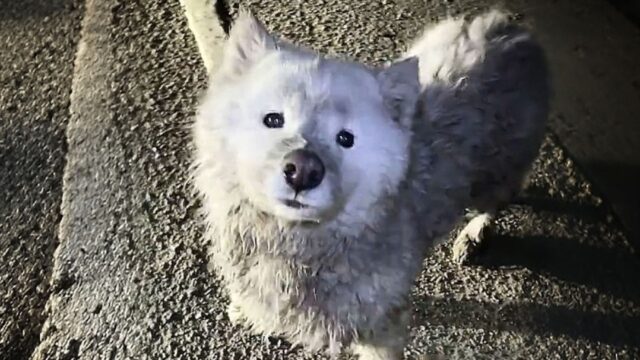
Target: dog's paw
[
  {"x": 236, "y": 317},
  {"x": 470, "y": 239},
  {"x": 371, "y": 352}
]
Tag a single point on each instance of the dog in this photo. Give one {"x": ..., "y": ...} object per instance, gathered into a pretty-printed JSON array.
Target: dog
[{"x": 324, "y": 182}]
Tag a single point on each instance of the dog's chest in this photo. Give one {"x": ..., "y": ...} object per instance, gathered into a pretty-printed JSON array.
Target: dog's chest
[{"x": 359, "y": 282}]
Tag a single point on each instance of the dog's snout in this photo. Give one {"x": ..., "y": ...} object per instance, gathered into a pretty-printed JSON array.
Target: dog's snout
[{"x": 303, "y": 170}]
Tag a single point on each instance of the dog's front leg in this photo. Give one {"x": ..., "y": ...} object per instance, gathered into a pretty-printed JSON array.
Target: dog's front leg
[
  {"x": 387, "y": 341},
  {"x": 234, "y": 310},
  {"x": 471, "y": 236}
]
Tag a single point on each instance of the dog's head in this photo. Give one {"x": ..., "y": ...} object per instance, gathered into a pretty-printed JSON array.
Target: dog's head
[{"x": 303, "y": 137}]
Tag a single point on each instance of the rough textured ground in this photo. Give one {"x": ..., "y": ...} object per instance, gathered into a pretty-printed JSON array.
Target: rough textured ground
[
  {"x": 130, "y": 275},
  {"x": 38, "y": 44},
  {"x": 594, "y": 53},
  {"x": 130, "y": 281}
]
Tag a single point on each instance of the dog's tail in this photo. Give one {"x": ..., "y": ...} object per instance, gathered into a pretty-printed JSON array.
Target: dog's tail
[
  {"x": 450, "y": 49},
  {"x": 486, "y": 93}
]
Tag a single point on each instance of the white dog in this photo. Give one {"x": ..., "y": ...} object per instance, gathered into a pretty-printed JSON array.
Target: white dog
[{"x": 324, "y": 182}]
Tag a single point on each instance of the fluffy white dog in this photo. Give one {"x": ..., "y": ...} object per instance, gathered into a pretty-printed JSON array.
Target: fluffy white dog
[{"x": 324, "y": 181}]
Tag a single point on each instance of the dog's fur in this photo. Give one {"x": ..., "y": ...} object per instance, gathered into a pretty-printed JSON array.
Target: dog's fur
[
  {"x": 487, "y": 82},
  {"x": 454, "y": 125}
]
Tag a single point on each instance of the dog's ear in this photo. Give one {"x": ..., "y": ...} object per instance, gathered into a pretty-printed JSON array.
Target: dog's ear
[
  {"x": 248, "y": 41},
  {"x": 400, "y": 89}
]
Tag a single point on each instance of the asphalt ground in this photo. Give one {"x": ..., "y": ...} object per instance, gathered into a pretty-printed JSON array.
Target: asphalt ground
[
  {"x": 130, "y": 278},
  {"x": 37, "y": 47}
]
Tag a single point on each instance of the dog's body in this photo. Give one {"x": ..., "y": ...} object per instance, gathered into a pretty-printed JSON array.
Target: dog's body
[
  {"x": 486, "y": 91},
  {"x": 324, "y": 182}
]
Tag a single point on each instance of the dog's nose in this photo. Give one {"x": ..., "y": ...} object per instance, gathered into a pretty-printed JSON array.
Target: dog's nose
[{"x": 303, "y": 170}]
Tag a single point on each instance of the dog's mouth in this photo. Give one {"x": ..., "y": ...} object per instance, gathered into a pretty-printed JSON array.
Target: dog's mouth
[{"x": 294, "y": 204}]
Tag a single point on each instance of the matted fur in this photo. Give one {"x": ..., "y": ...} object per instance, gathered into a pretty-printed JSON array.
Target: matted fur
[{"x": 462, "y": 116}]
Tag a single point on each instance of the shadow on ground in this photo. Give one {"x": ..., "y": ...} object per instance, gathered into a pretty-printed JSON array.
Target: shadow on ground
[
  {"x": 606, "y": 312},
  {"x": 619, "y": 184},
  {"x": 32, "y": 9},
  {"x": 612, "y": 271},
  {"x": 545, "y": 320}
]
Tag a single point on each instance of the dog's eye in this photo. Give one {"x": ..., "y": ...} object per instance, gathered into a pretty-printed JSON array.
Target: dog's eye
[
  {"x": 273, "y": 120},
  {"x": 344, "y": 139}
]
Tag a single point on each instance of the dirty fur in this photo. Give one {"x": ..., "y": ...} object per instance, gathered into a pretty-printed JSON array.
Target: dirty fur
[
  {"x": 486, "y": 94},
  {"x": 453, "y": 125}
]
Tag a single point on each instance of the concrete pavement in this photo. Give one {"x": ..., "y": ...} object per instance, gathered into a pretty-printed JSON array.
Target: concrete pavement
[
  {"x": 594, "y": 52},
  {"x": 37, "y": 48},
  {"x": 130, "y": 272},
  {"x": 130, "y": 280}
]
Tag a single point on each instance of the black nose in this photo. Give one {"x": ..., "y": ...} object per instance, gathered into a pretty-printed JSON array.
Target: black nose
[{"x": 303, "y": 170}]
